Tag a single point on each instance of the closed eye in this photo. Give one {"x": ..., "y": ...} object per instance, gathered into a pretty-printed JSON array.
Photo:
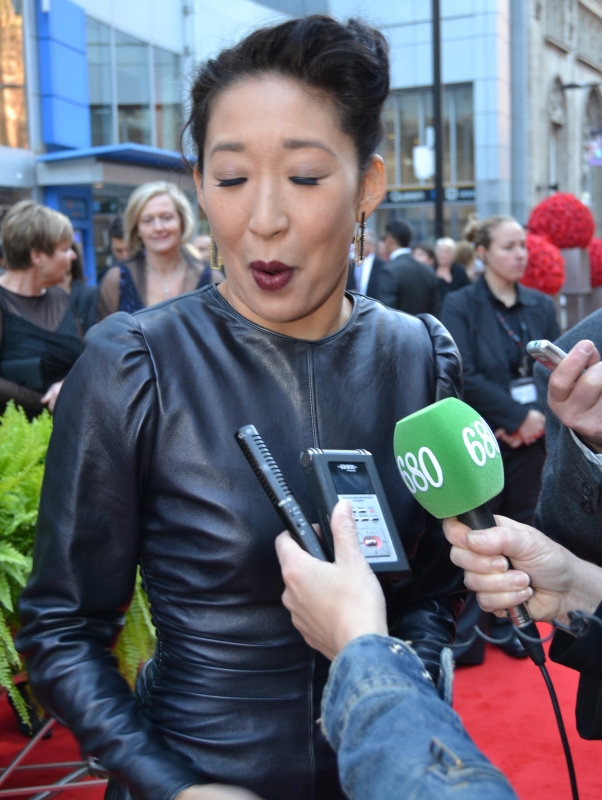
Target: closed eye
[
  {"x": 305, "y": 181},
  {"x": 232, "y": 182}
]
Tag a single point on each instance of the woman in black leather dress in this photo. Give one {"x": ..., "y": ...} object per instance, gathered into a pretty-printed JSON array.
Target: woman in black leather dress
[{"x": 143, "y": 466}]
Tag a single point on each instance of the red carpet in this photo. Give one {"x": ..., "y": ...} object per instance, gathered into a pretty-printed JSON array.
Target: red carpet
[
  {"x": 505, "y": 707},
  {"x": 507, "y": 710},
  {"x": 60, "y": 747}
]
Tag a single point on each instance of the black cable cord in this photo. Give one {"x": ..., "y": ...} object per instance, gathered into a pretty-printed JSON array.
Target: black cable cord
[
  {"x": 579, "y": 623},
  {"x": 561, "y": 729}
]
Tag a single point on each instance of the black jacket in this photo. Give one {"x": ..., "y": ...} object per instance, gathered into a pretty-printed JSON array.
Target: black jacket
[
  {"x": 372, "y": 288},
  {"x": 408, "y": 285},
  {"x": 143, "y": 468},
  {"x": 584, "y": 654},
  {"x": 470, "y": 317},
  {"x": 570, "y": 504}
]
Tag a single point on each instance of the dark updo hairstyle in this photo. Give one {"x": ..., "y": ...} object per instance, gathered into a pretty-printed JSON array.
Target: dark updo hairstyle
[{"x": 348, "y": 63}]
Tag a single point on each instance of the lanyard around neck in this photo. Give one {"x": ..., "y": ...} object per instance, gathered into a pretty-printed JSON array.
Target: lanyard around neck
[{"x": 519, "y": 341}]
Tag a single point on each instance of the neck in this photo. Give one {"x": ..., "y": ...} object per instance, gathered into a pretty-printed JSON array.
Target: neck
[
  {"x": 501, "y": 288},
  {"x": 330, "y": 317},
  {"x": 26, "y": 282},
  {"x": 164, "y": 264},
  {"x": 444, "y": 271}
]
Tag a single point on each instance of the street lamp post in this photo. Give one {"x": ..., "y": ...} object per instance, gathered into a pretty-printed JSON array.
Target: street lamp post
[
  {"x": 437, "y": 119},
  {"x": 566, "y": 86}
]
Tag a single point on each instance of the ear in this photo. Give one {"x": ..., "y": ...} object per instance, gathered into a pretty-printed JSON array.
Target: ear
[
  {"x": 373, "y": 187},
  {"x": 198, "y": 179},
  {"x": 35, "y": 257}
]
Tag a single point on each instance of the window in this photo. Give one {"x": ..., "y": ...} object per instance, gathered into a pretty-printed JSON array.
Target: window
[
  {"x": 589, "y": 35},
  {"x": 13, "y": 105},
  {"x": 408, "y": 123},
  {"x": 133, "y": 89},
  {"x": 100, "y": 79},
  {"x": 556, "y": 19},
  {"x": 168, "y": 108}
]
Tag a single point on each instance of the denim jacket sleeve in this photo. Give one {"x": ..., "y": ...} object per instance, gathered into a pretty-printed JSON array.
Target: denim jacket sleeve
[{"x": 393, "y": 734}]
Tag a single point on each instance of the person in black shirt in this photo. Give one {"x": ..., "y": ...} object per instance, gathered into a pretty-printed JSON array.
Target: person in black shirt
[
  {"x": 41, "y": 326},
  {"x": 491, "y": 322}
]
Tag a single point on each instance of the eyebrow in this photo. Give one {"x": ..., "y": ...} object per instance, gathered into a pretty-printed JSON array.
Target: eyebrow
[
  {"x": 299, "y": 144},
  {"x": 288, "y": 144},
  {"x": 228, "y": 147}
]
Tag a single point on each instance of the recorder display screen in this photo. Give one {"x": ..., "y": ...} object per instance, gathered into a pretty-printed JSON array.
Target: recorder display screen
[{"x": 350, "y": 478}]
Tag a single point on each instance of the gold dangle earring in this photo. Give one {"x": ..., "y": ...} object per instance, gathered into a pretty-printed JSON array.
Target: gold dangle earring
[
  {"x": 215, "y": 262},
  {"x": 358, "y": 243}
]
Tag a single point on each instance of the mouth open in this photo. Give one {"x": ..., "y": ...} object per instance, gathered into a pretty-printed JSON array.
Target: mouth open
[{"x": 271, "y": 276}]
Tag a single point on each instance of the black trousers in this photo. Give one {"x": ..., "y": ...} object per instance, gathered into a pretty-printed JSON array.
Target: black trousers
[
  {"x": 522, "y": 482},
  {"x": 517, "y": 500}
]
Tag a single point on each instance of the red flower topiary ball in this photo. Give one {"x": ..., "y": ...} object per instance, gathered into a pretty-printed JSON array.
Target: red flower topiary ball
[
  {"x": 545, "y": 267},
  {"x": 595, "y": 261},
  {"x": 566, "y": 221}
]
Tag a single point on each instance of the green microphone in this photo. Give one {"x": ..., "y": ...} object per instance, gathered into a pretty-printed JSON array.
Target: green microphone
[{"x": 450, "y": 461}]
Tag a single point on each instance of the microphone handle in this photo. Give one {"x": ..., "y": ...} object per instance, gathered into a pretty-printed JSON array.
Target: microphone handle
[{"x": 479, "y": 519}]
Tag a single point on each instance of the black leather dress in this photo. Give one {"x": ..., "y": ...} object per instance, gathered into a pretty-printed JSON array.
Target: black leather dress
[{"x": 143, "y": 467}]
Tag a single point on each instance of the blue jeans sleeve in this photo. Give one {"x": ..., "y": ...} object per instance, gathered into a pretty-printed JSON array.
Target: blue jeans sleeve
[{"x": 394, "y": 736}]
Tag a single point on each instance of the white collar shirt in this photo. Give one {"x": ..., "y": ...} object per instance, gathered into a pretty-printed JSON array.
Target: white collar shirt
[
  {"x": 363, "y": 272},
  {"x": 401, "y": 251}
]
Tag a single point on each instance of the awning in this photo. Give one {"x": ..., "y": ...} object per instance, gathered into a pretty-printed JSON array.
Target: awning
[{"x": 130, "y": 164}]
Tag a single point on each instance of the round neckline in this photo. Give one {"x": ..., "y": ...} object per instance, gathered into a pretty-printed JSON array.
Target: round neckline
[
  {"x": 26, "y": 296},
  {"x": 226, "y": 305}
]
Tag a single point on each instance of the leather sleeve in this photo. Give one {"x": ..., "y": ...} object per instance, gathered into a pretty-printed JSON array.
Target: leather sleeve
[
  {"x": 85, "y": 559},
  {"x": 425, "y": 612},
  {"x": 448, "y": 362}
]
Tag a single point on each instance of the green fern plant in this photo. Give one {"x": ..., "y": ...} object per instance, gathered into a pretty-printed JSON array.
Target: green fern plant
[
  {"x": 136, "y": 642},
  {"x": 23, "y": 446}
]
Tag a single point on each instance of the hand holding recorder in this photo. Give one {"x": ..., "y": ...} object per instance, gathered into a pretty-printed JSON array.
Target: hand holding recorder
[{"x": 331, "y": 604}]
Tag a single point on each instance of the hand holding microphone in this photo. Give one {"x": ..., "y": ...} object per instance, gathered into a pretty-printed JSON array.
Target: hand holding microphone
[
  {"x": 450, "y": 460},
  {"x": 549, "y": 576}
]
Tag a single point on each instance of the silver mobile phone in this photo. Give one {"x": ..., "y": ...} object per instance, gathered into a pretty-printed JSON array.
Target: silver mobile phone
[{"x": 546, "y": 353}]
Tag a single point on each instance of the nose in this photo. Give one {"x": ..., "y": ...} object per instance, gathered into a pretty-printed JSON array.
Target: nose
[{"x": 268, "y": 216}]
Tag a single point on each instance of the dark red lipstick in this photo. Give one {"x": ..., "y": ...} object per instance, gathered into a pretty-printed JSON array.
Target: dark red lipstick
[{"x": 271, "y": 276}]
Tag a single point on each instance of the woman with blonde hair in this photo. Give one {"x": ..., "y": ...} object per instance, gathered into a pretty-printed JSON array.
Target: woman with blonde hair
[
  {"x": 451, "y": 276},
  {"x": 157, "y": 224}
]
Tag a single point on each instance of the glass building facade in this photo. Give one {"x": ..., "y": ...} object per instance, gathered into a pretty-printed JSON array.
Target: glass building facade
[
  {"x": 135, "y": 89},
  {"x": 408, "y": 122},
  {"x": 13, "y": 103}
]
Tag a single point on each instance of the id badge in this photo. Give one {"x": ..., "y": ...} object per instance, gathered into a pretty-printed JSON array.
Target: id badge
[{"x": 523, "y": 391}]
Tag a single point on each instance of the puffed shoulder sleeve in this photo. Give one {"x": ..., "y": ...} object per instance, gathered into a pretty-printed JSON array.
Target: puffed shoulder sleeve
[
  {"x": 448, "y": 362},
  {"x": 85, "y": 557}
]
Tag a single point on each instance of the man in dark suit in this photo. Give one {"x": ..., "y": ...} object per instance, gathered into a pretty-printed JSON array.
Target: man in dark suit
[
  {"x": 570, "y": 503},
  {"x": 403, "y": 282},
  {"x": 365, "y": 276}
]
